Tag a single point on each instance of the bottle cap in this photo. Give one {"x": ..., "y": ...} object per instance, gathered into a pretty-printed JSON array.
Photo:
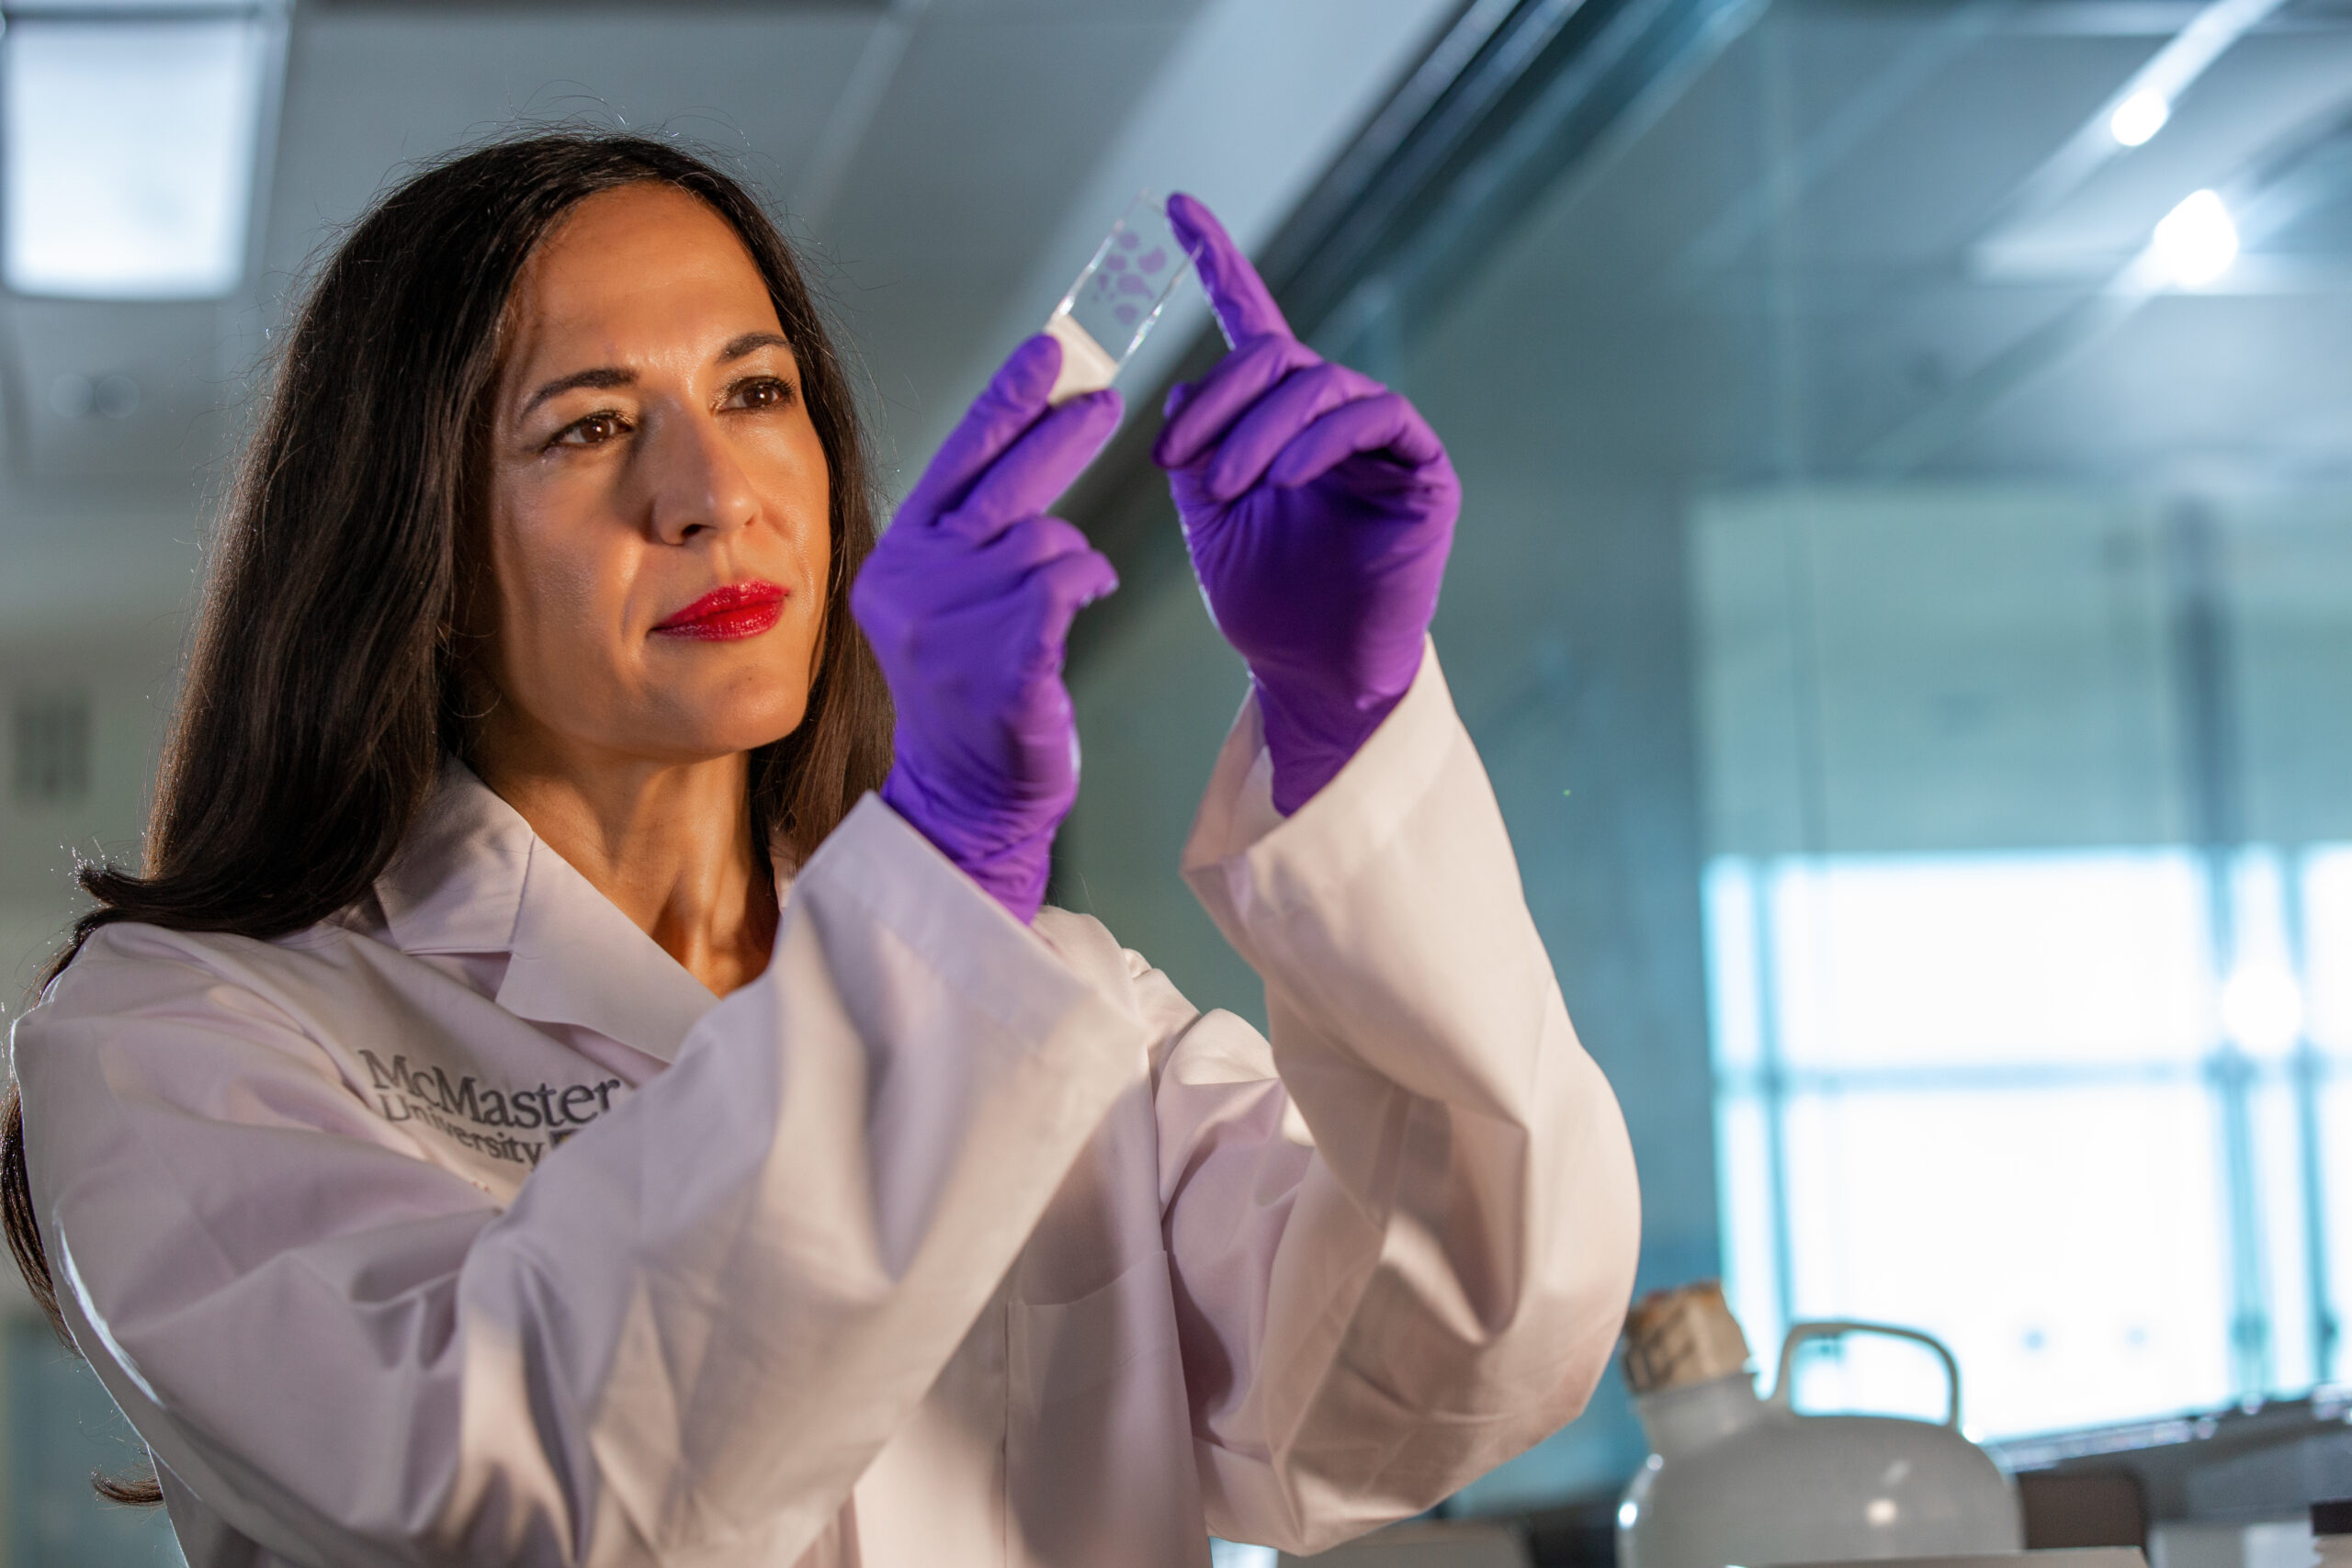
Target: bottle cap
[{"x": 1680, "y": 1336}]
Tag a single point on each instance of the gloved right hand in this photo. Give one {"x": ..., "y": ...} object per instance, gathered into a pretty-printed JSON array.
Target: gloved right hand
[
  {"x": 967, "y": 601},
  {"x": 1318, "y": 507}
]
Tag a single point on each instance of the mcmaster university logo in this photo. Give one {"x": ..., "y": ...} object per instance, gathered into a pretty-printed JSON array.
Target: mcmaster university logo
[{"x": 488, "y": 1121}]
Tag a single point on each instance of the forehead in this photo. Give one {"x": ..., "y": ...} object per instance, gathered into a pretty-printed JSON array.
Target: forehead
[{"x": 643, "y": 260}]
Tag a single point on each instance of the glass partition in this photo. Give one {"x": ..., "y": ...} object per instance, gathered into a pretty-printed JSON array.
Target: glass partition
[
  {"x": 1903, "y": 600},
  {"x": 1959, "y": 387}
]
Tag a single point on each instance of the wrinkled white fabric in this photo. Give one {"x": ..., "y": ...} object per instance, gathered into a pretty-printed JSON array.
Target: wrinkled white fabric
[{"x": 470, "y": 1228}]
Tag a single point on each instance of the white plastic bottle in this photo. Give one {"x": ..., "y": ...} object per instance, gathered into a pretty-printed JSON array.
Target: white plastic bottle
[{"x": 1736, "y": 1479}]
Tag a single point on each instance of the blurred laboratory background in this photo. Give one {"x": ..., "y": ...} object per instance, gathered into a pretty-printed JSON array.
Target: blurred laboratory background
[{"x": 1903, "y": 594}]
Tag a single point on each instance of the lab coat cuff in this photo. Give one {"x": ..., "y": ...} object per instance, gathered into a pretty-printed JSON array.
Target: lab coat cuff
[
  {"x": 1242, "y": 851},
  {"x": 877, "y": 863}
]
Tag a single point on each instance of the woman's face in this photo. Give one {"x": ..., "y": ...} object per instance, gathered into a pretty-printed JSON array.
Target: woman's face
[{"x": 658, "y": 524}]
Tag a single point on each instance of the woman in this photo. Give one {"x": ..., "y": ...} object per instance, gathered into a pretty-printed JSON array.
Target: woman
[{"x": 538, "y": 1106}]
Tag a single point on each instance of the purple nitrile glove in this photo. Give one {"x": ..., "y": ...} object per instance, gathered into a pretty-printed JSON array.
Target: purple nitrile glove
[
  {"x": 967, "y": 601},
  {"x": 1318, "y": 507}
]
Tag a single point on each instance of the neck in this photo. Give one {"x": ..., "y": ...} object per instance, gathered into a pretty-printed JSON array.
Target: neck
[{"x": 670, "y": 843}]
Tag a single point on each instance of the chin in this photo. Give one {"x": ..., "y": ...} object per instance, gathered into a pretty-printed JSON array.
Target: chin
[
  {"x": 726, "y": 712},
  {"x": 748, "y": 726}
]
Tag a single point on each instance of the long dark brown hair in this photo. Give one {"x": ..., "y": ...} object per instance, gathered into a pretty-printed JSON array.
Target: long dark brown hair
[{"x": 326, "y": 680}]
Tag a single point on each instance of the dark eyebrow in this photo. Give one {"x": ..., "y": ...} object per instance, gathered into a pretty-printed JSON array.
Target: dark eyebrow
[
  {"x": 601, "y": 377},
  {"x": 743, "y": 345},
  {"x": 612, "y": 375}
]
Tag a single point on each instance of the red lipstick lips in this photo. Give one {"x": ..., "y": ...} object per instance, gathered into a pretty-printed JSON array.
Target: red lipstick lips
[{"x": 724, "y": 614}]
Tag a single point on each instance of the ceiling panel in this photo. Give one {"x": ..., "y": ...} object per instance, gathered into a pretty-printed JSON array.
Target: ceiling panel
[
  {"x": 112, "y": 393},
  {"x": 370, "y": 91}
]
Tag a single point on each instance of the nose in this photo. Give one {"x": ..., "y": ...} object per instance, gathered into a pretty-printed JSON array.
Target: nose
[{"x": 698, "y": 486}]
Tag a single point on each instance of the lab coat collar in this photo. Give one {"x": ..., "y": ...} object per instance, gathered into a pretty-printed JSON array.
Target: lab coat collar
[{"x": 473, "y": 878}]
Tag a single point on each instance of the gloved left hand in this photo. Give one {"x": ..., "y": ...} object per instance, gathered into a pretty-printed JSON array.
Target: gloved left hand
[
  {"x": 967, "y": 602},
  {"x": 1319, "y": 508}
]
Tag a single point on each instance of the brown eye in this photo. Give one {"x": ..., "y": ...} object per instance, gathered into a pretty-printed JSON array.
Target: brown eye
[
  {"x": 592, "y": 431},
  {"x": 766, "y": 392}
]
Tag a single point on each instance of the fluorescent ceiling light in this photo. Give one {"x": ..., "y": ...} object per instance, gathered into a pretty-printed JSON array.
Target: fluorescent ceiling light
[
  {"x": 2196, "y": 240},
  {"x": 132, "y": 151},
  {"x": 2138, "y": 118}
]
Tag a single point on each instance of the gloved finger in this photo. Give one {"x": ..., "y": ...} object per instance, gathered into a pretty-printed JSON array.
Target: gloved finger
[
  {"x": 1029, "y": 544},
  {"x": 1277, "y": 419},
  {"x": 961, "y": 574},
  {"x": 1038, "y": 467},
  {"x": 1244, "y": 306},
  {"x": 1223, "y": 395},
  {"x": 1177, "y": 396},
  {"x": 1061, "y": 589},
  {"x": 1008, "y": 405},
  {"x": 1385, "y": 425}
]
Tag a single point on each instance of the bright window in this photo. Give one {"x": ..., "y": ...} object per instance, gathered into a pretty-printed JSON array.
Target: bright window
[{"x": 2042, "y": 1050}]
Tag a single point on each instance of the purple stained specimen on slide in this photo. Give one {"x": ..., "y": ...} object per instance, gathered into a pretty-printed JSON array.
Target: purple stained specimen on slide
[{"x": 1119, "y": 294}]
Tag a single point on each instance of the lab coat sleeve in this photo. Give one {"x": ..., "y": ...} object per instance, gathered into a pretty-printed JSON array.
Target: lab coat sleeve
[
  {"x": 692, "y": 1330},
  {"x": 1407, "y": 1258}
]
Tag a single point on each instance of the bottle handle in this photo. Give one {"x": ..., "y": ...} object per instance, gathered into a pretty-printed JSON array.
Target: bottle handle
[{"x": 1784, "y": 1389}]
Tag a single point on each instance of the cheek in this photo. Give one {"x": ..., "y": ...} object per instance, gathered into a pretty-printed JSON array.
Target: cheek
[
  {"x": 557, "y": 593},
  {"x": 815, "y": 513},
  {"x": 796, "y": 493}
]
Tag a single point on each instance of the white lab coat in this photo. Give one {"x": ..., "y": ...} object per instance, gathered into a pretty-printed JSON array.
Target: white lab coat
[{"x": 947, "y": 1241}]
